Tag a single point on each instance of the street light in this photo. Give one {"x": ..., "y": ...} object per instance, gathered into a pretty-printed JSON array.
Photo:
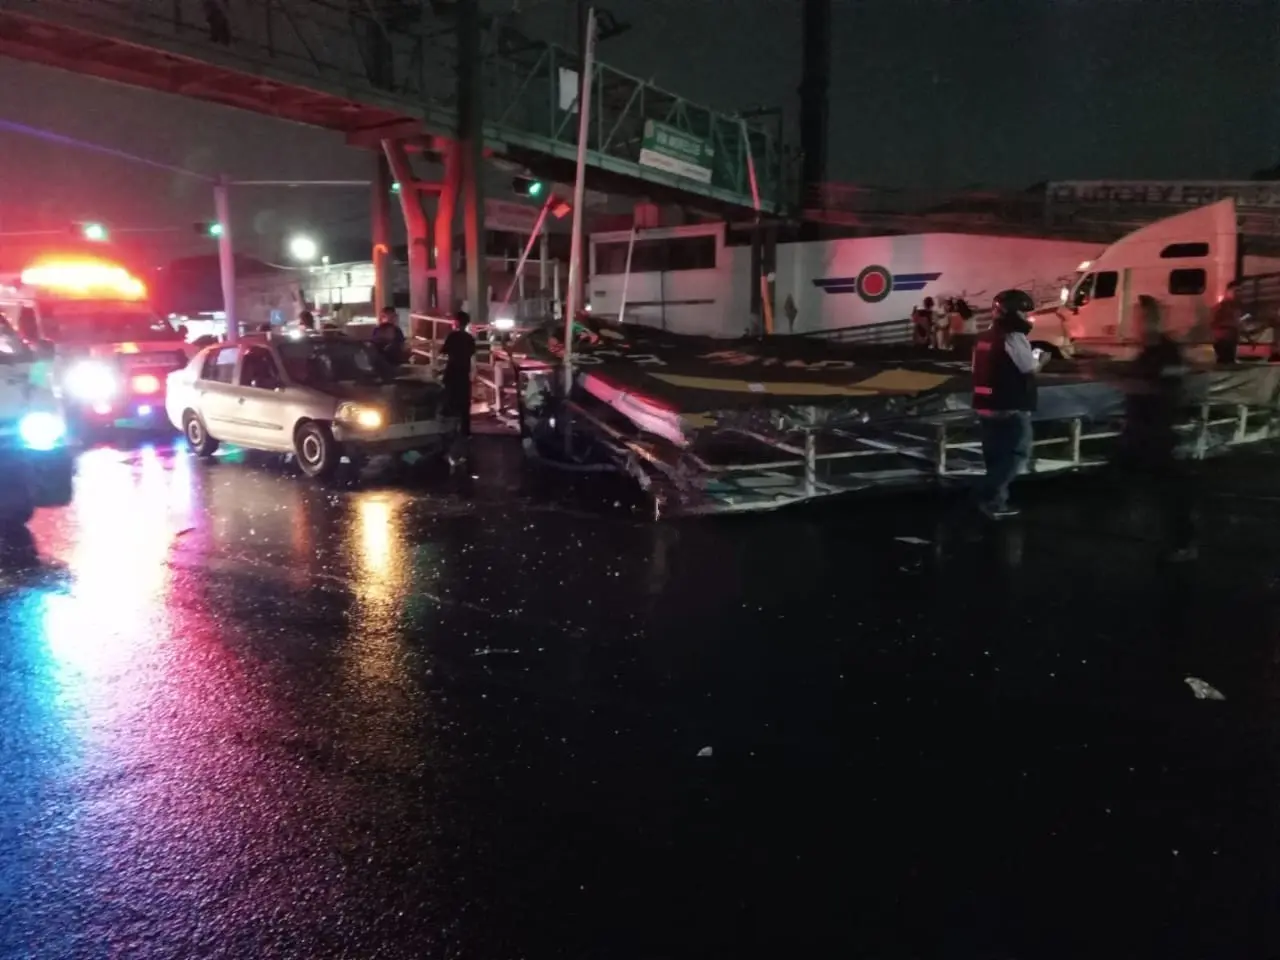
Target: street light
[{"x": 303, "y": 249}]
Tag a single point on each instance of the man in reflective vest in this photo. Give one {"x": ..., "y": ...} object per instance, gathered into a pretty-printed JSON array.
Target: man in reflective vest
[{"x": 1004, "y": 397}]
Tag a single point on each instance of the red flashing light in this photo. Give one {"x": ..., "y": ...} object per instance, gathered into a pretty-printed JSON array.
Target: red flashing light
[
  {"x": 85, "y": 278},
  {"x": 145, "y": 384}
]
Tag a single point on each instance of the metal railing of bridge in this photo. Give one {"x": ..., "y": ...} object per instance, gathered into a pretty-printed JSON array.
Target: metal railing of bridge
[{"x": 283, "y": 50}]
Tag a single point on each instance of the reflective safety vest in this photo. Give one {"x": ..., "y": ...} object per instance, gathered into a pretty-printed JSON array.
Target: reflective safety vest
[{"x": 998, "y": 384}]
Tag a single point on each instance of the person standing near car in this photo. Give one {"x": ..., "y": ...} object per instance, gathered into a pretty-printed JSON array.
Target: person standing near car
[
  {"x": 388, "y": 337},
  {"x": 459, "y": 348},
  {"x": 1004, "y": 398}
]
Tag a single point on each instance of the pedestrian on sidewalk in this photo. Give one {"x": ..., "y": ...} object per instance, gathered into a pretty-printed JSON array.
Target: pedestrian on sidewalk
[{"x": 1004, "y": 398}]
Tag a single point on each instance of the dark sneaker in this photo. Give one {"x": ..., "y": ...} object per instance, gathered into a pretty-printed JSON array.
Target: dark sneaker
[{"x": 998, "y": 513}]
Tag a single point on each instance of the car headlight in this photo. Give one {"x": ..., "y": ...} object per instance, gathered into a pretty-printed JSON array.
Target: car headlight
[
  {"x": 42, "y": 430},
  {"x": 366, "y": 417},
  {"x": 504, "y": 323},
  {"x": 91, "y": 381}
]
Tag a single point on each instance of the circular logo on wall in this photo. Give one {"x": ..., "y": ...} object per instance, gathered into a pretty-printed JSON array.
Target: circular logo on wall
[{"x": 874, "y": 284}]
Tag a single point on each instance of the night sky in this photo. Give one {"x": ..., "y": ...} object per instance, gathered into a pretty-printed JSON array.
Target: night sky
[{"x": 925, "y": 93}]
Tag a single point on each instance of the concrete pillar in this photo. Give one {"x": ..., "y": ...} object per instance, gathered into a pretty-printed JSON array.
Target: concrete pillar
[
  {"x": 446, "y": 220},
  {"x": 380, "y": 221},
  {"x": 471, "y": 154},
  {"x": 417, "y": 227}
]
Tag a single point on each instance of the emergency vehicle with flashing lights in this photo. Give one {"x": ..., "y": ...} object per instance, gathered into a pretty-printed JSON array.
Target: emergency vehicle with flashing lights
[
  {"x": 112, "y": 351},
  {"x": 36, "y": 466}
]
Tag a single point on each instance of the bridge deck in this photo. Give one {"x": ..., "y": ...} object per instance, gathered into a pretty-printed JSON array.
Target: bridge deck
[{"x": 308, "y": 61}]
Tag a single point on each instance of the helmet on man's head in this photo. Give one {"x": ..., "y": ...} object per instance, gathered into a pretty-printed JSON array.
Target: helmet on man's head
[{"x": 1008, "y": 303}]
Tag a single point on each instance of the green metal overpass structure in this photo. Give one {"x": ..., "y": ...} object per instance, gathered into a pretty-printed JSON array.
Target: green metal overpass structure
[{"x": 404, "y": 77}]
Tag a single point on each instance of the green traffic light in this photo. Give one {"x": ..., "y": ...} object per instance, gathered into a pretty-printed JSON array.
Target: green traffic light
[
  {"x": 395, "y": 187},
  {"x": 215, "y": 229},
  {"x": 535, "y": 188},
  {"x": 95, "y": 232}
]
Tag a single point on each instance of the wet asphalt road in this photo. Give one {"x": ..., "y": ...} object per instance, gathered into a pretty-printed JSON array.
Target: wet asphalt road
[{"x": 245, "y": 716}]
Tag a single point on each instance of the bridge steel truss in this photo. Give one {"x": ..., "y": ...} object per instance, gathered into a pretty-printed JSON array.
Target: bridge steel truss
[{"x": 362, "y": 66}]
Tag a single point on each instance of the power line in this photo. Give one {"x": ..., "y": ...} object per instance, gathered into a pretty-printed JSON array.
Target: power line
[{"x": 66, "y": 141}]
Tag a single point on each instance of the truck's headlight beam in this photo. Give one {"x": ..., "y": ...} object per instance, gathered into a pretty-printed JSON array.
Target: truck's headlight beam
[{"x": 91, "y": 382}]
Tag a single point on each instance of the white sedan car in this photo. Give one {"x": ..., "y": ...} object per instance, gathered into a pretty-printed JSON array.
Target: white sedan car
[{"x": 318, "y": 396}]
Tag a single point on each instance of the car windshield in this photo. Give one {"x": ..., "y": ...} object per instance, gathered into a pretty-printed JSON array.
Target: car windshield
[
  {"x": 12, "y": 349},
  {"x": 104, "y": 325},
  {"x": 317, "y": 362}
]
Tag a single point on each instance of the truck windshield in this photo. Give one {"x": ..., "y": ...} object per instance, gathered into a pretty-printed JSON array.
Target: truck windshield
[
  {"x": 318, "y": 362},
  {"x": 104, "y": 325},
  {"x": 1081, "y": 291}
]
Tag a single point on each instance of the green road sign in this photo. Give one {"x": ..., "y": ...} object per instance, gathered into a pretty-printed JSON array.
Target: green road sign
[{"x": 667, "y": 148}]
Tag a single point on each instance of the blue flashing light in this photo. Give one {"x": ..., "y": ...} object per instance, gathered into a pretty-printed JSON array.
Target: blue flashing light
[{"x": 41, "y": 430}]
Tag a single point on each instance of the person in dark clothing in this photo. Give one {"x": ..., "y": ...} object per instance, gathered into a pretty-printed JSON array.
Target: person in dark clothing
[
  {"x": 388, "y": 337},
  {"x": 459, "y": 348},
  {"x": 922, "y": 324},
  {"x": 1225, "y": 327},
  {"x": 306, "y": 320},
  {"x": 215, "y": 15},
  {"x": 965, "y": 336},
  {"x": 1147, "y": 455},
  {"x": 1004, "y": 397}
]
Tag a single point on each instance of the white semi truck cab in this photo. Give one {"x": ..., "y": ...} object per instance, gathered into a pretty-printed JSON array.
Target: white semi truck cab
[
  {"x": 1185, "y": 262},
  {"x": 36, "y": 465}
]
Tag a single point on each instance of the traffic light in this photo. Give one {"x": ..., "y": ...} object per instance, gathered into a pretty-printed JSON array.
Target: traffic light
[
  {"x": 96, "y": 232},
  {"x": 528, "y": 187},
  {"x": 209, "y": 228},
  {"x": 395, "y": 186}
]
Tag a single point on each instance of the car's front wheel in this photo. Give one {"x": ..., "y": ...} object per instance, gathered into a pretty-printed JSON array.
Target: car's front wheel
[
  {"x": 317, "y": 451},
  {"x": 197, "y": 435}
]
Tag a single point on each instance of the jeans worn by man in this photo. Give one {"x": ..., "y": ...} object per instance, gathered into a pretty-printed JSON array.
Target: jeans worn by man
[{"x": 1006, "y": 448}]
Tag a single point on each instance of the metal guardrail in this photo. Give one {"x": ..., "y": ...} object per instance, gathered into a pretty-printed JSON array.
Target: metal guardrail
[
  {"x": 493, "y": 381},
  {"x": 892, "y": 331}
]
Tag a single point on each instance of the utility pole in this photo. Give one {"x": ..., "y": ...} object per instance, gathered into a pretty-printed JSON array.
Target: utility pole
[
  {"x": 579, "y": 197},
  {"x": 226, "y": 256},
  {"x": 471, "y": 156}
]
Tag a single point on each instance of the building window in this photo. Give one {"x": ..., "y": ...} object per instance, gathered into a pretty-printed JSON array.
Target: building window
[
  {"x": 1179, "y": 251},
  {"x": 657, "y": 256},
  {"x": 691, "y": 253},
  {"x": 1186, "y": 282},
  {"x": 611, "y": 258}
]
